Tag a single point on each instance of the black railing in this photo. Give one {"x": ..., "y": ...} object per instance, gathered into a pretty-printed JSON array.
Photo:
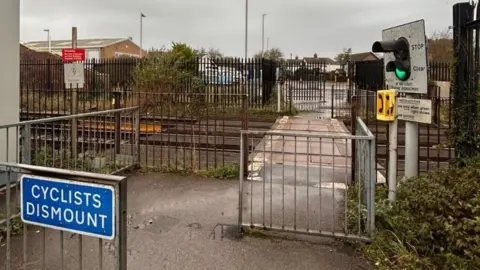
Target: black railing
[{"x": 369, "y": 75}]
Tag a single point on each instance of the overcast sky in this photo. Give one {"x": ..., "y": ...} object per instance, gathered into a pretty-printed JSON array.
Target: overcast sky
[{"x": 298, "y": 27}]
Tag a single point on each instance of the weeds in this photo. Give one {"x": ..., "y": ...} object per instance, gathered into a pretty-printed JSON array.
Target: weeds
[
  {"x": 220, "y": 172},
  {"x": 16, "y": 227},
  {"x": 433, "y": 224}
]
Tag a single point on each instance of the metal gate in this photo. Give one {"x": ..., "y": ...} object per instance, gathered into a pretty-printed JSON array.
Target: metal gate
[
  {"x": 104, "y": 144},
  {"x": 304, "y": 183},
  {"x": 315, "y": 87}
]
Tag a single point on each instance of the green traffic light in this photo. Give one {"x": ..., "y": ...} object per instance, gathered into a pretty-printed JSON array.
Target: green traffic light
[{"x": 401, "y": 74}]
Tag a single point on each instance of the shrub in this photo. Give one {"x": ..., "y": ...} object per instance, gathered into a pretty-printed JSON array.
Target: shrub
[{"x": 433, "y": 224}]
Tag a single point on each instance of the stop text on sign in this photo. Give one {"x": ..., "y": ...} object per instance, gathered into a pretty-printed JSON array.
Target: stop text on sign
[{"x": 79, "y": 207}]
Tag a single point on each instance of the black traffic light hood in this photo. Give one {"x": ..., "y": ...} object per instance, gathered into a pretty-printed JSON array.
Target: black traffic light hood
[{"x": 400, "y": 44}]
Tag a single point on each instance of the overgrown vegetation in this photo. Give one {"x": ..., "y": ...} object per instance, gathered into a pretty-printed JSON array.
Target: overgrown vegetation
[
  {"x": 229, "y": 171},
  {"x": 16, "y": 227},
  {"x": 62, "y": 159},
  {"x": 433, "y": 224}
]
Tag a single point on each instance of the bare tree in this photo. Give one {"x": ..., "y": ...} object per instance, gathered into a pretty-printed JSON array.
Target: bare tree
[
  {"x": 343, "y": 57},
  {"x": 214, "y": 53},
  {"x": 272, "y": 54},
  {"x": 440, "y": 46}
]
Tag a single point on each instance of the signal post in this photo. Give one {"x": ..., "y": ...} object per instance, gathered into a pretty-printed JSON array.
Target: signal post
[{"x": 405, "y": 56}]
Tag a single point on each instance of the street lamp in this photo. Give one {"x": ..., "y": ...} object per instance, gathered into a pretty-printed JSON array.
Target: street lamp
[
  {"x": 141, "y": 33},
  {"x": 49, "y": 40},
  {"x": 263, "y": 33}
]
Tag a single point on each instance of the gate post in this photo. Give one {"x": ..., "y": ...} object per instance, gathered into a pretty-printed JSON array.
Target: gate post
[
  {"x": 332, "y": 99},
  {"x": 353, "y": 128},
  {"x": 464, "y": 91},
  {"x": 26, "y": 147},
  {"x": 116, "y": 98},
  {"x": 244, "y": 140}
]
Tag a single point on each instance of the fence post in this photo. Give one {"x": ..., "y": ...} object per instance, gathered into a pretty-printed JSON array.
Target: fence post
[
  {"x": 74, "y": 121},
  {"x": 116, "y": 100},
  {"x": 240, "y": 182},
  {"x": 279, "y": 96},
  {"x": 137, "y": 136},
  {"x": 121, "y": 239},
  {"x": 26, "y": 147},
  {"x": 244, "y": 145},
  {"x": 353, "y": 126},
  {"x": 332, "y": 99},
  {"x": 324, "y": 90},
  {"x": 290, "y": 99}
]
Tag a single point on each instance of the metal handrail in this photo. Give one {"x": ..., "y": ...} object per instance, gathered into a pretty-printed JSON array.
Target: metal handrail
[
  {"x": 4, "y": 166},
  {"x": 363, "y": 127}
]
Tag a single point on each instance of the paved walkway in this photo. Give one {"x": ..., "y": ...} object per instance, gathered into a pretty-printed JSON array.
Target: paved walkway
[
  {"x": 175, "y": 222},
  {"x": 300, "y": 182}
]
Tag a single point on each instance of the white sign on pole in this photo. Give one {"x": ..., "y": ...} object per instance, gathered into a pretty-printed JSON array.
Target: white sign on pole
[
  {"x": 414, "y": 110},
  {"x": 414, "y": 33},
  {"x": 74, "y": 75}
]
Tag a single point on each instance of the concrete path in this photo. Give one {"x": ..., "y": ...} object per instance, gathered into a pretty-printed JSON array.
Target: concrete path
[
  {"x": 300, "y": 182},
  {"x": 178, "y": 222},
  {"x": 311, "y": 96}
]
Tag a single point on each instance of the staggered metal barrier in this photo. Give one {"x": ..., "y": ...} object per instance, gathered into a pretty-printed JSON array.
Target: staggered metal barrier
[{"x": 304, "y": 183}]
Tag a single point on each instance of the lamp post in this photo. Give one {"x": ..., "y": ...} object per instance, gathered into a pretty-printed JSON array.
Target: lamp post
[
  {"x": 141, "y": 33},
  {"x": 246, "y": 29},
  {"x": 263, "y": 33},
  {"x": 49, "y": 40}
]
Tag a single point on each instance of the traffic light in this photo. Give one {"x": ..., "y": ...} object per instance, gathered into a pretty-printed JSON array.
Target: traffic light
[
  {"x": 386, "y": 105},
  {"x": 401, "y": 50}
]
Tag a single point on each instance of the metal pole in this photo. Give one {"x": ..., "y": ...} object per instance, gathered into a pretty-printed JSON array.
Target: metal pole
[
  {"x": 116, "y": 96},
  {"x": 279, "y": 93},
  {"x": 263, "y": 33},
  {"x": 246, "y": 29},
  {"x": 411, "y": 147},
  {"x": 49, "y": 40},
  {"x": 74, "y": 102},
  {"x": 240, "y": 183},
  {"x": 141, "y": 34},
  {"x": 392, "y": 161}
]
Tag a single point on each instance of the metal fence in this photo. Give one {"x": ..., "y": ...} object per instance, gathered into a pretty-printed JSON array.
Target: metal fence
[
  {"x": 434, "y": 149},
  {"x": 25, "y": 246},
  {"x": 105, "y": 141},
  {"x": 180, "y": 129},
  {"x": 78, "y": 146},
  {"x": 252, "y": 76},
  {"x": 299, "y": 182},
  {"x": 66, "y": 146}
]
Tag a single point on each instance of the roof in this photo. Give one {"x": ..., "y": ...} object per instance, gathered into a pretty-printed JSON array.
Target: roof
[
  {"x": 29, "y": 54},
  {"x": 81, "y": 43},
  {"x": 356, "y": 57},
  {"x": 294, "y": 61},
  {"x": 319, "y": 60}
]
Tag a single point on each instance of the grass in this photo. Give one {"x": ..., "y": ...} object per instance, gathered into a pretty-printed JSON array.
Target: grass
[
  {"x": 223, "y": 172},
  {"x": 227, "y": 172},
  {"x": 16, "y": 227}
]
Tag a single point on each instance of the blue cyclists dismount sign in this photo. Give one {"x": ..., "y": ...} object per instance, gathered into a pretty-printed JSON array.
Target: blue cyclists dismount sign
[{"x": 73, "y": 206}]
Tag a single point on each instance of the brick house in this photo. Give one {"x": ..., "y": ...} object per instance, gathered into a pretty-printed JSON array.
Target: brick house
[{"x": 94, "y": 48}]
